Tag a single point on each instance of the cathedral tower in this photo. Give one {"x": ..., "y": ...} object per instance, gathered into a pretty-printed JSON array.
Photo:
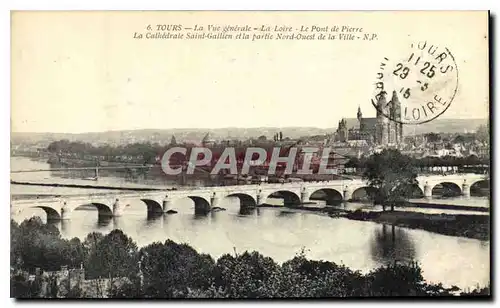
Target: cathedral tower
[
  {"x": 360, "y": 117},
  {"x": 382, "y": 126},
  {"x": 396, "y": 125}
]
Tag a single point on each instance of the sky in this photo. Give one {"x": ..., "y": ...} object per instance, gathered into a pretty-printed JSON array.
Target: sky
[{"x": 75, "y": 72}]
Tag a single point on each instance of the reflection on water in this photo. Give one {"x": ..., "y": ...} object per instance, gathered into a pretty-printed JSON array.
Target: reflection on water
[
  {"x": 391, "y": 244},
  {"x": 249, "y": 211}
]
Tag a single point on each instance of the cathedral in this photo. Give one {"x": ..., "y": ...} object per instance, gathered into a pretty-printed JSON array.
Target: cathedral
[{"x": 381, "y": 130}]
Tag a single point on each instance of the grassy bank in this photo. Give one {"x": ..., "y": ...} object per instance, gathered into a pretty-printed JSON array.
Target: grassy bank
[
  {"x": 463, "y": 225},
  {"x": 470, "y": 226}
]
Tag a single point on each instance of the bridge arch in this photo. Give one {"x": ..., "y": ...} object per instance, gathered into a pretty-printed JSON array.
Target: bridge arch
[
  {"x": 52, "y": 214},
  {"x": 245, "y": 199},
  {"x": 446, "y": 189},
  {"x": 329, "y": 195},
  {"x": 480, "y": 188},
  {"x": 365, "y": 193},
  {"x": 154, "y": 208},
  {"x": 201, "y": 205},
  {"x": 102, "y": 209},
  {"x": 289, "y": 198}
]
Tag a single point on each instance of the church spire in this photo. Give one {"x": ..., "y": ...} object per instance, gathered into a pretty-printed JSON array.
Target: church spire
[
  {"x": 395, "y": 106},
  {"x": 395, "y": 99},
  {"x": 360, "y": 115},
  {"x": 381, "y": 104}
]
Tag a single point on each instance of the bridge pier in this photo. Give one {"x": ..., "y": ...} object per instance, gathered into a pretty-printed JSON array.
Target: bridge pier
[
  {"x": 465, "y": 189},
  {"x": 118, "y": 208},
  {"x": 261, "y": 198},
  {"x": 304, "y": 195},
  {"x": 65, "y": 212},
  {"x": 347, "y": 193},
  {"x": 427, "y": 190},
  {"x": 167, "y": 204},
  {"x": 214, "y": 201}
]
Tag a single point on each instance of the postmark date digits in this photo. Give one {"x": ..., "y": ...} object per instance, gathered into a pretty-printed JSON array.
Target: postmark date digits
[
  {"x": 428, "y": 70},
  {"x": 404, "y": 71}
]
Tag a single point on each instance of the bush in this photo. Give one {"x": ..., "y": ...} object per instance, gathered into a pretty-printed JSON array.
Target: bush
[{"x": 171, "y": 270}]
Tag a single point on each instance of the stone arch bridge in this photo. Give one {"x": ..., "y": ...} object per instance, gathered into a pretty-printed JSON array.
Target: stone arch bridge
[{"x": 206, "y": 198}]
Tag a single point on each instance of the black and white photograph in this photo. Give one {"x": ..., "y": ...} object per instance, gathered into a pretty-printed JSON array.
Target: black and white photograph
[{"x": 249, "y": 154}]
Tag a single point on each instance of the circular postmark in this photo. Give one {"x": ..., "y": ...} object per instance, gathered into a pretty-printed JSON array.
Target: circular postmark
[{"x": 423, "y": 82}]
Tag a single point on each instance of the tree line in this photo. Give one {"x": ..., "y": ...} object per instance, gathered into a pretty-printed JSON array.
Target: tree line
[
  {"x": 145, "y": 152},
  {"x": 445, "y": 161},
  {"x": 171, "y": 270}
]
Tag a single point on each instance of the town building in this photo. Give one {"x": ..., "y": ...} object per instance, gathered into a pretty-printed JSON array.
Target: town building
[
  {"x": 385, "y": 129},
  {"x": 208, "y": 141}
]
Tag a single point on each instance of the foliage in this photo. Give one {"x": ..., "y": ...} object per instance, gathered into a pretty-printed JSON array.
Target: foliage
[
  {"x": 145, "y": 152},
  {"x": 392, "y": 174},
  {"x": 38, "y": 245},
  {"x": 244, "y": 275},
  {"x": 433, "y": 137},
  {"x": 114, "y": 256},
  {"x": 129, "y": 289},
  {"x": 396, "y": 280},
  {"x": 171, "y": 270},
  {"x": 23, "y": 288}
]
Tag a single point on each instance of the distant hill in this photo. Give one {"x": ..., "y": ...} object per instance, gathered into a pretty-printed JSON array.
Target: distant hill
[
  {"x": 445, "y": 126},
  {"x": 164, "y": 135},
  {"x": 196, "y": 135}
]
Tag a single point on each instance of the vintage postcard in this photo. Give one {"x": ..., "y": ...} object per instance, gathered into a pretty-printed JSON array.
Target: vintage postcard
[{"x": 249, "y": 154}]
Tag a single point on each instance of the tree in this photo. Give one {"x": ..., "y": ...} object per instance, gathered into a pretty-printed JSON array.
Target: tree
[
  {"x": 319, "y": 279},
  {"x": 173, "y": 141},
  {"x": 172, "y": 270},
  {"x": 73, "y": 252},
  {"x": 262, "y": 138},
  {"x": 483, "y": 133},
  {"x": 459, "y": 139},
  {"x": 91, "y": 241},
  {"x": 22, "y": 288},
  {"x": 433, "y": 137},
  {"x": 353, "y": 162},
  {"x": 114, "y": 256},
  {"x": 393, "y": 175},
  {"x": 281, "y": 136},
  {"x": 15, "y": 245},
  {"x": 128, "y": 289},
  {"x": 472, "y": 160},
  {"x": 245, "y": 275},
  {"x": 39, "y": 245},
  {"x": 396, "y": 280}
]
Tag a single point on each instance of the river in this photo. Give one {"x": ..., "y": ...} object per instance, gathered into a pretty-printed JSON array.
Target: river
[{"x": 278, "y": 233}]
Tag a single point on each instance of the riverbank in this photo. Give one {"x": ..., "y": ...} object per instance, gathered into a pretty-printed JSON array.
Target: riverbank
[{"x": 461, "y": 225}]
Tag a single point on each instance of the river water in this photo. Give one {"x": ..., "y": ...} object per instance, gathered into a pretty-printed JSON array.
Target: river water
[{"x": 277, "y": 232}]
